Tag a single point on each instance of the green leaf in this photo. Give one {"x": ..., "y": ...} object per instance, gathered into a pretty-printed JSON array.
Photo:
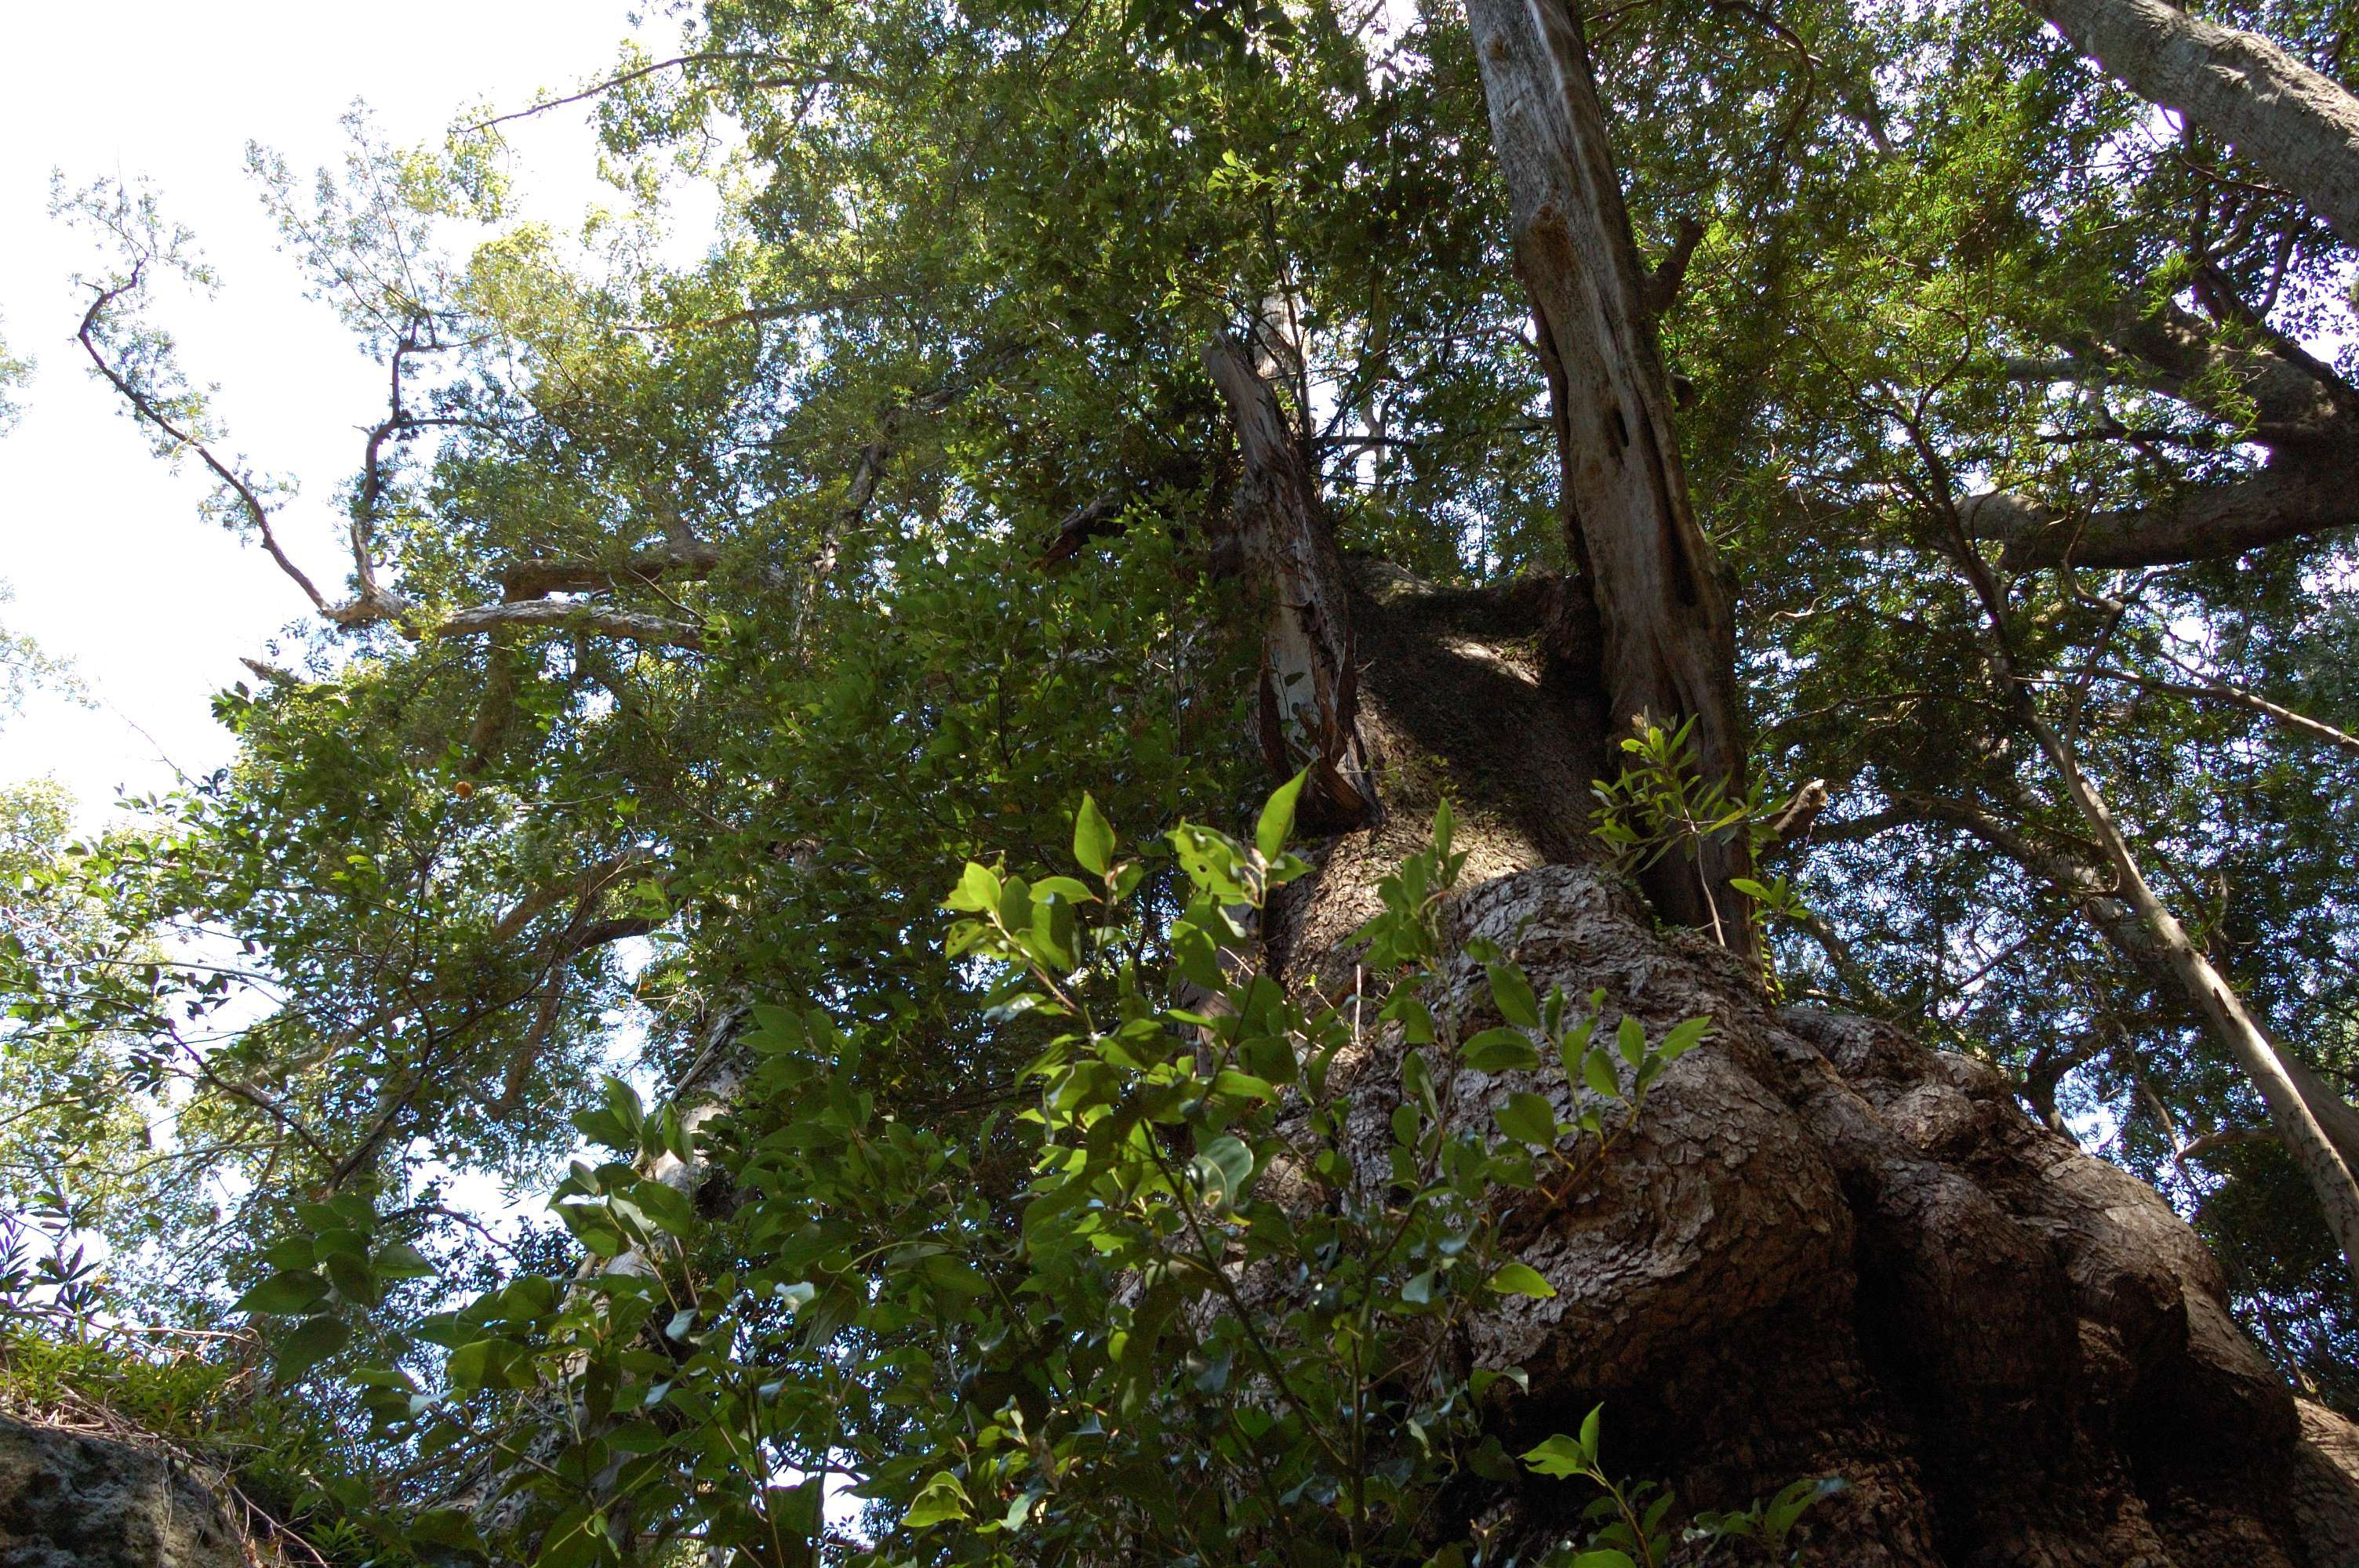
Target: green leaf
[
  {"x": 472, "y": 1366},
  {"x": 1521, "y": 1280},
  {"x": 1223, "y": 1169},
  {"x": 452, "y": 1530},
  {"x": 1244, "y": 1086},
  {"x": 939, "y": 1501},
  {"x": 284, "y": 1295},
  {"x": 1529, "y": 1119},
  {"x": 1685, "y": 1036},
  {"x": 352, "y": 1278},
  {"x": 1500, "y": 1051},
  {"x": 977, "y": 892},
  {"x": 1597, "y": 1072},
  {"x": 1559, "y": 1457},
  {"x": 1512, "y": 992},
  {"x": 1630, "y": 1039},
  {"x": 311, "y": 1342},
  {"x": 1277, "y": 818},
  {"x": 293, "y": 1254},
  {"x": 1603, "y": 1557}
]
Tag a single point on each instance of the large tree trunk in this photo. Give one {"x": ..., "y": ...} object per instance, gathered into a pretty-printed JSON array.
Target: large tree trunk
[
  {"x": 1826, "y": 1250},
  {"x": 2299, "y": 128}
]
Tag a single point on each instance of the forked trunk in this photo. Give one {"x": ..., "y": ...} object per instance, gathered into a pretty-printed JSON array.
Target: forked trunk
[
  {"x": 1668, "y": 641},
  {"x": 1826, "y": 1249}
]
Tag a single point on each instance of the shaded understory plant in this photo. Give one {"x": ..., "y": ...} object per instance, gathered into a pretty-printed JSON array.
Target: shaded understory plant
[{"x": 1155, "y": 1302}]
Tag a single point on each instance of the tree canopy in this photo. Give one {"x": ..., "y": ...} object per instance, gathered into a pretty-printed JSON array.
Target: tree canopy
[{"x": 704, "y": 623}]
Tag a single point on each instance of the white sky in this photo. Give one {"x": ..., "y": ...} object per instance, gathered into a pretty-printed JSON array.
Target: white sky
[{"x": 111, "y": 566}]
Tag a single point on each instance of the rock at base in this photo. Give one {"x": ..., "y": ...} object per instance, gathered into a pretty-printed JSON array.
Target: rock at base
[{"x": 72, "y": 1501}]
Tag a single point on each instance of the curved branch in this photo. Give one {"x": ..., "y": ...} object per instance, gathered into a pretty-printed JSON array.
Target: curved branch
[
  {"x": 2209, "y": 523},
  {"x": 2298, "y": 126},
  {"x": 146, "y": 408},
  {"x": 604, "y": 621}
]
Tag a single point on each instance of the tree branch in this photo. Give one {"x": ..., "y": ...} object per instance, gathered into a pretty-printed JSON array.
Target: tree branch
[
  {"x": 2286, "y": 718},
  {"x": 538, "y": 579},
  {"x": 604, "y": 621},
  {"x": 711, "y": 56},
  {"x": 2208, "y": 523},
  {"x": 1663, "y": 282}
]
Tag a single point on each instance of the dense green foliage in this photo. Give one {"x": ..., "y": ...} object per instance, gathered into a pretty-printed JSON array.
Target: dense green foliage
[{"x": 915, "y": 486}]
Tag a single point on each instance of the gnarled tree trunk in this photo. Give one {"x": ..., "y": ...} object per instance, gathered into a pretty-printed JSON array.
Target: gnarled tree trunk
[{"x": 1826, "y": 1249}]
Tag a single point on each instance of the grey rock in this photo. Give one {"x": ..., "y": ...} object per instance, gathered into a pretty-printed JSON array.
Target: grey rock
[{"x": 72, "y": 1501}]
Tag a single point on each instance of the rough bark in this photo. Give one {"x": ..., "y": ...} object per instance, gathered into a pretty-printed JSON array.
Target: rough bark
[
  {"x": 1668, "y": 641},
  {"x": 2296, "y": 125},
  {"x": 1826, "y": 1250}
]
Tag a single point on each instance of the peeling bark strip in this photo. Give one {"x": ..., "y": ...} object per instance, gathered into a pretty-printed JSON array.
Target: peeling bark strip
[
  {"x": 1670, "y": 641},
  {"x": 1310, "y": 680},
  {"x": 2301, "y": 128}
]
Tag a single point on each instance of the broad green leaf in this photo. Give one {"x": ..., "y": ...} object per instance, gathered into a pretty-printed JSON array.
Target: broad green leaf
[
  {"x": 1092, "y": 839},
  {"x": 1500, "y": 1051},
  {"x": 1559, "y": 1457},
  {"x": 1630, "y": 1039},
  {"x": 1513, "y": 991},
  {"x": 284, "y": 1295},
  {"x": 1223, "y": 1169},
  {"x": 311, "y": 1342},
  {"x": 977, "y": 892},
  {"x": 1521, "y": 1280},
  {"x": 471, "y": 1365},
  {"x": 1277, "y": 818},
  {"x": 1529, "y": 1119},
  {"x": 1684, "y": 1037},
  {"x": 1243, "y": 1084},
  {"x": 1597, "y": 1072}
]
